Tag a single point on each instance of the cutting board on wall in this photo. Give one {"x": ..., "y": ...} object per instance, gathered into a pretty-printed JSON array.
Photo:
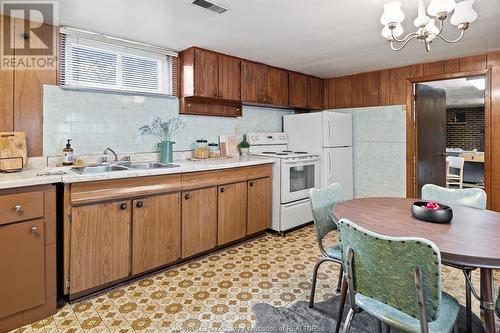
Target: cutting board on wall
[{"x": 12, "y": 144}]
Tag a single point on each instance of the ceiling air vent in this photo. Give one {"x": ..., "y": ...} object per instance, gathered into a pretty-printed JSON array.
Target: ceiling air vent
[{"x": 210, "y": 6}]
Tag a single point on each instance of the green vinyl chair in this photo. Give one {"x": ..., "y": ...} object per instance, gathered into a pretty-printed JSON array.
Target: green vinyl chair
[
  {"x": 395, "y": 279},
  {"x": 322, "y": 202},
  {"x": 471, "y": 197}
]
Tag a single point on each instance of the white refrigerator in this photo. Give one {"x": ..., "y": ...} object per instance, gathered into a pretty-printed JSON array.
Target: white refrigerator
[{"x": 328, "y": 134}]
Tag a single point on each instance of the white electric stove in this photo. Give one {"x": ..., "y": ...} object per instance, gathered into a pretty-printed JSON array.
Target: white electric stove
[{"x": 294, "y": 174}]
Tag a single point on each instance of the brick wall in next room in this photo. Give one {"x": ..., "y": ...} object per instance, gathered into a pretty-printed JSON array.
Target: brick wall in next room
[{"x": 469, "y": 134}]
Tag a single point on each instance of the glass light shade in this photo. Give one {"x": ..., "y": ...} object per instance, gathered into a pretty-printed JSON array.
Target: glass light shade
[
  {"x": 464, "y": 13},
  {"x": 431, "y": 27},
  {"x": 392, "y": 13},
  {"x": 440, "y": 6},
  {"x": 398, "y": 31},
  {"x": 421, "y": 19}
]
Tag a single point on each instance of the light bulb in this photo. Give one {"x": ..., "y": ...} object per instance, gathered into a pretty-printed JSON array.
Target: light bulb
[
  {"x": 464, "y": 13},
  {"x": 440, "y": 6},
  {"x": 398, "y": 31},
  {"x": 421, "y": 19},
  {"x": 392, "y": 13}
]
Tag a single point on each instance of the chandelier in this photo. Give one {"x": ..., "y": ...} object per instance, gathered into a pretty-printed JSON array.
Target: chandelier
[{"x": 428, "y": 28}]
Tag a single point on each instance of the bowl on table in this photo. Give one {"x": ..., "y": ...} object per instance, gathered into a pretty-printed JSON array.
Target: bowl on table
[{"x": 431, "y": 211}]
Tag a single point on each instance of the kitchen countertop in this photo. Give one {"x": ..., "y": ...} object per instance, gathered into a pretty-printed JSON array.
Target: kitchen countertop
[{"x": 28, "y": 177}]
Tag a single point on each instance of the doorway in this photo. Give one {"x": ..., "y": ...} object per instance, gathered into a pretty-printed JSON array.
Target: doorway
[{"x": 450, "y": 132}]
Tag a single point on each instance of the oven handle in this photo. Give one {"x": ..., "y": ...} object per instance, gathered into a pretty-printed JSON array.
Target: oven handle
[{"x": 301, "y": 160}]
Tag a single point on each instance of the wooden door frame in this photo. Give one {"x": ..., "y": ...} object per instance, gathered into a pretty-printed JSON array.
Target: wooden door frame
[{"x": 412, "y": 125}]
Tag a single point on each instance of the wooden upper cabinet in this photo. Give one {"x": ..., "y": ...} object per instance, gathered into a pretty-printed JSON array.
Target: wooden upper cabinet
[
  {"x": 343, "y": 92},
  {"x": 254, "y": 82},
  {"x": 206, "y": 73},
  {"x": 100, "y": 244},
  {"x": 229, "y": 78},
  {"x": 259, "y": 205},
  {"x": 199, "y": 221},
  {"x": 232, "y": 212},
  {"x": 22, "y": 283},
  {"x": 156, "y": 231},
  {"x": 298, "y": 90},
  {"x": 277, "y": 86},
  {"x": 315, "y": 93}
]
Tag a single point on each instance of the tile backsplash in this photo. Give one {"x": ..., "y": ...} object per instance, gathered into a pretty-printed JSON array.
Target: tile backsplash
[
  {"x": 379, "y": 147},
  {"x": 95, "y": 120}
]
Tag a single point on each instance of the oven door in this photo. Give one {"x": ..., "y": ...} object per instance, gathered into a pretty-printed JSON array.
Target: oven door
[{"x": 298, "y": 177}]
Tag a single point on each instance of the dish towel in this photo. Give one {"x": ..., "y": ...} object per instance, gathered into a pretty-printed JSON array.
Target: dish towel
[{"x": 54, "y": 171}]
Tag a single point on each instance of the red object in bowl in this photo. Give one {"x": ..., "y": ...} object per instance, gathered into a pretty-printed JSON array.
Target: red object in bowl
[{"x": 432, "y": 205}]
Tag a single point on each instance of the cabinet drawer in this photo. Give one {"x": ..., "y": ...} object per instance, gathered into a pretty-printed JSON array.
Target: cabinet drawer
[{"x": 22, "y": 206}]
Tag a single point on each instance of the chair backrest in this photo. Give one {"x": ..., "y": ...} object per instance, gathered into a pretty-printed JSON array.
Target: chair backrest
[
  {"x": 383, "y": 268},
  {"x": 455, "y": 162},
  {"x": 471, "y": 197},
  {"x": 322, "y": 202}
]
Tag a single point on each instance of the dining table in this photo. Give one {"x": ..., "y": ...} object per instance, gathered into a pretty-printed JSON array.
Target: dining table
[{"x": 471, "y": 239}]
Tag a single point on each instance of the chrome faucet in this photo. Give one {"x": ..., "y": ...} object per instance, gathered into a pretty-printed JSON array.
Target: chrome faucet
[{"x": 104, "y": 159}]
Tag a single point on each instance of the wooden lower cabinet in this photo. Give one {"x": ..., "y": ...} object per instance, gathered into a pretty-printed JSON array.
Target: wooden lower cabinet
[
  {"x": 100, "y": 244},
  {"x": 27, "y": 255},
  {"x": 259, "y": 205},
  {"x": 199, "y": 221},
  {"x": 22, "y": 283},
  {"x": 156, "y": 231},
  {"x": 232, "y": 212}
]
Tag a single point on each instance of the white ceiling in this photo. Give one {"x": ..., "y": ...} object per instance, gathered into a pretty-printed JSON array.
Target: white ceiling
[
  {"x": 319, "y": 37},
  {"x": 460, "y": 93}
]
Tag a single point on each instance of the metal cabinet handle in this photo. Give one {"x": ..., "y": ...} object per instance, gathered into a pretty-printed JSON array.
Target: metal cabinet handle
[
  {"x": 139, "y": 204},
  {"x": 18, "y": 208},
  {"x": 187, "y": 196},
  {"x": 34, "y": 230},
  {"x": 123, "y": 206},
  {"x": 222, "y": 190}
]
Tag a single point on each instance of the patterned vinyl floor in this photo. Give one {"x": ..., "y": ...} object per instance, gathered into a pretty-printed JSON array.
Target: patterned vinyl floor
[{"x": 215, "y": 293}]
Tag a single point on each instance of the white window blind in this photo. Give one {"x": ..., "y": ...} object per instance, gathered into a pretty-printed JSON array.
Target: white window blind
[{"x": 93, "y": 61}]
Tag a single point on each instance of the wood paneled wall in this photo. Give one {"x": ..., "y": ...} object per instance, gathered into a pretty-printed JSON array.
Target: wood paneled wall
[{"x": 389, "y": 87}]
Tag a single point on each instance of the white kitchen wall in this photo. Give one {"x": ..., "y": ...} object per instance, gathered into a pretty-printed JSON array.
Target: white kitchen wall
[
  {"x": 379, "y": 145},
  {"x": 95, "y": 121}
]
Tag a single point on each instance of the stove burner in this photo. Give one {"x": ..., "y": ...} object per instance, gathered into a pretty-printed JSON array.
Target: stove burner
[
  {"x": 287, "y": 151},
  {"x": 268, "y": 152},
  {"x": 300, "y": 152},
  {"x": 283, "y": 153}
]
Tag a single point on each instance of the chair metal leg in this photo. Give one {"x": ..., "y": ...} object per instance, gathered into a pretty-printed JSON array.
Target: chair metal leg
[
  {"x": 315, "y": 275},
  {"x": 348, "y": 321},
  {"x": 468, "y": 303},
  {"x": 339, "y": 281},
  {"x": 343, "y": 295}
]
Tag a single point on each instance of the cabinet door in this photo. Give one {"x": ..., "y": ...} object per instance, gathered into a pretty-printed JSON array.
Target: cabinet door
[
  {"x": 22, "y": 276},
  {"x": 298, "y": 90},
  {"x": 277, "y": 87},
  {"x": 100, "y": 244},
  {"x": 199, "y": 221},
  {"x": 206, "y": 73},
  {"x": 315, "y": 93},
  {"x": 259, "y": 205},
  {"x": 229, "y": 78},
  {"x": 254, "y": 82},
  {"x": 232, "y": 212},
  {"x": 156, "y": 231}
]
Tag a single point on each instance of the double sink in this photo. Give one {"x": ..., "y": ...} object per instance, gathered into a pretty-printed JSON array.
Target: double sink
[{"x": 123, "y": 166}]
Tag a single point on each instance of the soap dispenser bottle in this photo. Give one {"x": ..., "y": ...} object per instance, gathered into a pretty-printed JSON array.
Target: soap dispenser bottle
[{"x": 68, "y": 154}]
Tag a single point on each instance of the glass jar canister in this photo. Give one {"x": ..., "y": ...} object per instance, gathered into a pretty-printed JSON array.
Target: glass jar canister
[
  {"x": 214, "y": 151},
  {"x": 201, "y": 149}
]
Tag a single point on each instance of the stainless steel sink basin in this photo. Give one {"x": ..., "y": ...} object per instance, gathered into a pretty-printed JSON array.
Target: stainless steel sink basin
[
  {"x": 100, "y": 169},
  {"x": 151, "y": 165}
]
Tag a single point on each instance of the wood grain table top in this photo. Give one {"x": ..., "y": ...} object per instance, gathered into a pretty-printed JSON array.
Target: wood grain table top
[{"x": 472, "y": 238}]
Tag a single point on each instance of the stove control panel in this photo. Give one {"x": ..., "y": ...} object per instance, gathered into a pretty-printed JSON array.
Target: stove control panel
[{"x": 258, "y": 139}]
